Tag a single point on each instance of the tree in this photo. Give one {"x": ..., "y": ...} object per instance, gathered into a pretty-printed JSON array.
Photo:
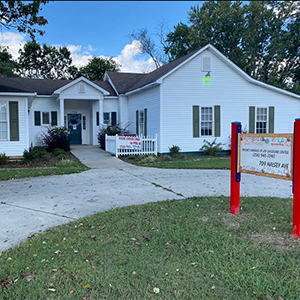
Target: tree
[
  {"x": 22, "y": 16},
  {"x": 48, "y": 62},
  {"x": 7, "y": 64},
  {"x": 261, "y": 37},
  {"x": 96, "y": 67}
]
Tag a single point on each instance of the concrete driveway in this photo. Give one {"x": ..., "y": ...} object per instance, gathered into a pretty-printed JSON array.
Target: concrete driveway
[{"x": 32, "y": 205}]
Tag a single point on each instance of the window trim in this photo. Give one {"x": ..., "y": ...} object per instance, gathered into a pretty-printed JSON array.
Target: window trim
[
  {"x": 267, "y": 119},
  {"x": 6, "y": 121},
  {"x": 41, "y": 119}
]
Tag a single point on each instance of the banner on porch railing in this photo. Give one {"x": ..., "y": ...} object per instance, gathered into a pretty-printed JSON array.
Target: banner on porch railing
[{"x": 129, "y": 142}]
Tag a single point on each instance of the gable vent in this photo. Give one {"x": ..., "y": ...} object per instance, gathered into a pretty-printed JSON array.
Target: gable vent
[
  {"x": 81, "y": 88},
  {"x": 206, "y": 64}
]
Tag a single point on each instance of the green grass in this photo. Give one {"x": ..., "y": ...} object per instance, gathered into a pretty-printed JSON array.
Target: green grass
[
  {"x": 6, "y": 174},
  {"x": 181, "y": 162},
  {"x": 183, "y": 249}
]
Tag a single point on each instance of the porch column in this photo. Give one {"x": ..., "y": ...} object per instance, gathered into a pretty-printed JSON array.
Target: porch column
[
  {"x": 100, "y": 112},
  {"x": 61, "y": 112}
]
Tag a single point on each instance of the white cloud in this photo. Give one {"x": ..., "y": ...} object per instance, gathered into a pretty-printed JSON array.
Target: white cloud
[
  {"x": 14, "y": 41},
  {"x": 131, "y": 58},
  {"x": 129, "y": 62}
]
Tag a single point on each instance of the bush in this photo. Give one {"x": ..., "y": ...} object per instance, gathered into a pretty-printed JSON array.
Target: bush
[
  {"x": 110, "y": 130},
  {"x": 212, "y": 148},
  {"x": 174, "y": 150},
  {"x": 60, "y": 153},
  {"x": 57, "y": 137},
  {"x": 3, "y": 159}
]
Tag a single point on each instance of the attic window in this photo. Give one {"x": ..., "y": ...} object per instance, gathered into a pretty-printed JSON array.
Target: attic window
[
  {"x": 206, "y": 64},
  {"x": 81, "y": 88}
]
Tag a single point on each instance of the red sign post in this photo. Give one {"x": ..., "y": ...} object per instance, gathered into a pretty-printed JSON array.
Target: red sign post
[
  {"x": 296, "y": 180},
  {"x": 235, "y": 177}
]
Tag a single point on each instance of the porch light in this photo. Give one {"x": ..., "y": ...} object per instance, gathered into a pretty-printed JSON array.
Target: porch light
[{"x": 207, "y": 77}]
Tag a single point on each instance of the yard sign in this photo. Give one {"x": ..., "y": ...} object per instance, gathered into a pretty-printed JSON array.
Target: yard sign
[
  {"x": 272, "y": 155},
  {"x": 129, "y": 142}
]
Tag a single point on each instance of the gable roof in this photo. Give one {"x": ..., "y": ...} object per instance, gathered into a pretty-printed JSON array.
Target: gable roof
[{"x": 43, "y": 86}]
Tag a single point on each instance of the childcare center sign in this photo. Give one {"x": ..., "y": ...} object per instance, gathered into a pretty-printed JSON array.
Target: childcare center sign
[
  {"x": 129, "y": 142},
  {"x": 266, "y": 154}
]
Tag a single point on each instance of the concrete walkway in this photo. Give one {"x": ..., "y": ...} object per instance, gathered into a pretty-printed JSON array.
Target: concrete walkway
[{"x": 32, "y": 205}]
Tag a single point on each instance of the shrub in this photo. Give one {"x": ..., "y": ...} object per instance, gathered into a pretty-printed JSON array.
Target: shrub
[
  {"x": 110, "y": 130},
  {"x": 57, "y": 137},
  {"x": 3, "y": 159},
  {"x": 60, "y": 153},
  {"x": 174, "y": 150},
  {"x": 40, "y": 151},
  {"x": 212, "y": 148},
  {"x": 67, "y": 163}
]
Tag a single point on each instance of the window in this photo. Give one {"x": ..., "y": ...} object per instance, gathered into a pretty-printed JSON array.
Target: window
[
  {"x": 45, "y": 119},
  {"x": 3, "y": 121},
  {"x": 261, "y": 119},
  {"x": 106, "y": 118},
  {"x": 141, "y": 122},
  {"x": 206, "y": 121}
]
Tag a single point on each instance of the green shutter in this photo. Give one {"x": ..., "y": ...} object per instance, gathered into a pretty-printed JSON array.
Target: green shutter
[
  {"x": 14, "y": 121},
  {"x": 217, "y": 120},
  {"x": 113, "y": 118},
  {"x": 137, "y": 122},
  {"x": 97, "y": 118},
  {"x": 196, "y": 121},
  {"x": 54, "y": 118},
  {"x": 145, "y": 122},
  {"x": 271, "y": 119},
  {"x": 251, "y": 119},
  {"x": 37, "y": 118}
]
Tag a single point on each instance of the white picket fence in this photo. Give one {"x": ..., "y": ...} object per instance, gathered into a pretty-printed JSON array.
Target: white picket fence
[{"x": 131, "y": 145}]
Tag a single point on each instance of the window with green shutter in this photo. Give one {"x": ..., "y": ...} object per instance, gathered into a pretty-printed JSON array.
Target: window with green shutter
[
  {"x": 196, "y": 121},
  {"x": 54, "y": 118},
  {"x": 217, "y": 121},
  {"x": 37, "y": 118},
  {"x": 14, "y": 120}
]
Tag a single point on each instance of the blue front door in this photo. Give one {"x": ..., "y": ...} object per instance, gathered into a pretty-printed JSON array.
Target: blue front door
[{"x": 74, "y": 124}]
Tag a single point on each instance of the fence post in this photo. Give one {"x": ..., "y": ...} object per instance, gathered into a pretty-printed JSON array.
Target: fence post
[
  {"x": 235, "y": 177},
  {"x": 155, "y": 144},
  {"x": 117, "y": 144},
  {"x": 296, "y": 179},
  {"x": 105, "y": 141}
]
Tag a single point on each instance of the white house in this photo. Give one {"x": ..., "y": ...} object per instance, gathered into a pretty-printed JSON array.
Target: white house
[{"x": 185, "y": 102}]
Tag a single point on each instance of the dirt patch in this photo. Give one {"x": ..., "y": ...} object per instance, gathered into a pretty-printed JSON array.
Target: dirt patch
[{"x": 49, "y": 160}]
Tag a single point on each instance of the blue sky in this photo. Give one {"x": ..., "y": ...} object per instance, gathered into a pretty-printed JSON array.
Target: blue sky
[{"x": 101, "y": 28}]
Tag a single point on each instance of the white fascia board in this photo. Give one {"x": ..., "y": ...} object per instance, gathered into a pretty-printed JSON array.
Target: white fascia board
[
  {"x": 58, "y": 91},
  {"x": 143, "y": 88},
  {"x": 111, "y": 97},
  {"x": 18, "y": 94}
]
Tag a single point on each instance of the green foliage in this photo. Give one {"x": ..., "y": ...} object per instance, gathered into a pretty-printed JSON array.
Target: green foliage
[
  {"x": 57, "y": 137},
  {"x": 174, "y": 150},
  {"x": 258, "y": 36},
  {"x": 67, "y": 163},
  {"x": 148, "y": 159},
  {"x": 211, "y": 148},
  {"x": 110, "y": 130},
  {"x": 7, "y": 64},
  {"x": 49, "y": 62},
  {"x": 33, "y": 154},
  {"x": 96, "y": 67},
  {"x": 22, "y": 16},
  {"x": 60, "y": 153},
  {"x": 3, "y": 159}
]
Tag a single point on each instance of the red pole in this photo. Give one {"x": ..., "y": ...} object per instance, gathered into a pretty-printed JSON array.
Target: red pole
[
  {"x": 235, "y": 177},
  {"x": 296, "y": 180}
]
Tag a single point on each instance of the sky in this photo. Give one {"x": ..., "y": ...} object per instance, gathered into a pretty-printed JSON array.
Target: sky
[{"x": 101, "y": 28}]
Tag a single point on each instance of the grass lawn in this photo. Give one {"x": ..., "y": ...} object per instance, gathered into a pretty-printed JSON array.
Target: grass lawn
[
  {"x": 181, "y": 249},
  {"x": 49, "y": 164},
  {"x": 180, "y": 162}
]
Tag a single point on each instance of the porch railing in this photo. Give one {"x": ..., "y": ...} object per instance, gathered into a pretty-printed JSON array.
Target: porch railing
[{"x": 131, "y": 145}]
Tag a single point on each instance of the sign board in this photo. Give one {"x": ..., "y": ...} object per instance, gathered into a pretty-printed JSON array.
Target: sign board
[
  {"x": 266, "y": 154},
  {"x": 129, "y": 142}
]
